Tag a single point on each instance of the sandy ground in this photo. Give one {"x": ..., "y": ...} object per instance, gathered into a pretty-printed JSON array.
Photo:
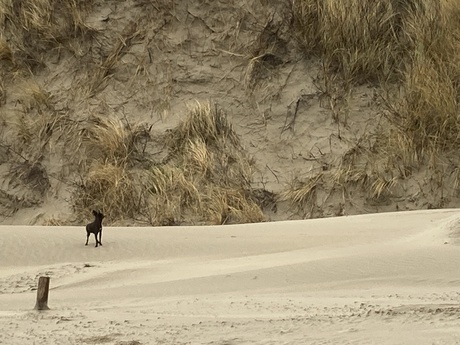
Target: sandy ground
[{"x": 392, "y": 278}]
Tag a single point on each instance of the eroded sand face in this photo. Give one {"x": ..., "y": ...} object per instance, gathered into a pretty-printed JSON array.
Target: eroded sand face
[{"x": 191, "y": 52}]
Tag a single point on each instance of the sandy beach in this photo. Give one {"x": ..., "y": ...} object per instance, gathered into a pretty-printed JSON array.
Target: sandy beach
[{"x": 391, "y": 278}]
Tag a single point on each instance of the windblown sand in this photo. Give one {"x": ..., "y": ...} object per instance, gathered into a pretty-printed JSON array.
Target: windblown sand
[{"x": 391, "y": 278}]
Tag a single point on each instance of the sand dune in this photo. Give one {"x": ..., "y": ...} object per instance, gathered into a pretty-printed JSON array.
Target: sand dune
[{"x": 374, "y": 279}]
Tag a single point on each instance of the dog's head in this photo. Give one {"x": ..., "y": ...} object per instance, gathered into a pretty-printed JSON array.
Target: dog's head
[{"x": 98, "y": 215}]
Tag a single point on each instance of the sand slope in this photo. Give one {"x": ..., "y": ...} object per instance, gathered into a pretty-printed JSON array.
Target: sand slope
[{"x": 375, "y": 279}]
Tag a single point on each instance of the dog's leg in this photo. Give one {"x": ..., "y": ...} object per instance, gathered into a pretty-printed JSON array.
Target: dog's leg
[
  {"x": 87, "y": 238},
  {"x": 95, "y": 236},
  {"x": 100, "y": 237}
]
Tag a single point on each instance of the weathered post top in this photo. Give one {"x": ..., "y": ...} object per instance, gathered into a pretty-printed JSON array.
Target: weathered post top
[{"x": 42, "y": 293}]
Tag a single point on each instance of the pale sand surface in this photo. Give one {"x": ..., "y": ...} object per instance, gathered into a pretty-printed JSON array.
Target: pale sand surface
[{"x": 390, "y": 278}]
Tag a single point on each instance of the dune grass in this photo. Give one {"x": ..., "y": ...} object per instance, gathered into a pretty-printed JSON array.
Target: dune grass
[
  {"x": 33, "y": 27},
  {"x": 413, "y": 44},
  {"x": 410, "y": 52},
  {"x": 356, "y": 39},
  {"x": 205, "y": 177}
]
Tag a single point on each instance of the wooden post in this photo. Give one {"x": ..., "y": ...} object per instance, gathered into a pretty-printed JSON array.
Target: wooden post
[{"x": 42, "y": 293}]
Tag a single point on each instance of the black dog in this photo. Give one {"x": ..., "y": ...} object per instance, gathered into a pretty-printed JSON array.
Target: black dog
[{"x": 95, "y": 228}]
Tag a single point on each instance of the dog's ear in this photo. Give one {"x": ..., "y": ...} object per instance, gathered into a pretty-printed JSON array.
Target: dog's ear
[{"x": 94, "y": 213}]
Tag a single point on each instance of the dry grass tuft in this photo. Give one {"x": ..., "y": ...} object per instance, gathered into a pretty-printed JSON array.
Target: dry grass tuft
[
  {"x": 412, "y": 49},
  {"x": 210, "y": 154},
  {"x": 230, "y": 206},
  {"x": 52, "y": 221},
  {"x": 31, "y": 95},
  {"x": 426, "y": 117},
  {"x": 205, "y": 124},
  {"x": 425, "y": 113},
  {"x": 302, "y": 194},
  {"x": 376, "y": 41},
  {"x": 206, "y": 176},
  {"x": 111, "y": 139},
  {"x": 35, "y": 26},
  {"x": 112, "y": 188},
  {"x": 359, "y": 40},
  {"x": 113, "y": 166},
  {"x": 99, "y": 76},
  {"x": 372, "y": 176}
]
